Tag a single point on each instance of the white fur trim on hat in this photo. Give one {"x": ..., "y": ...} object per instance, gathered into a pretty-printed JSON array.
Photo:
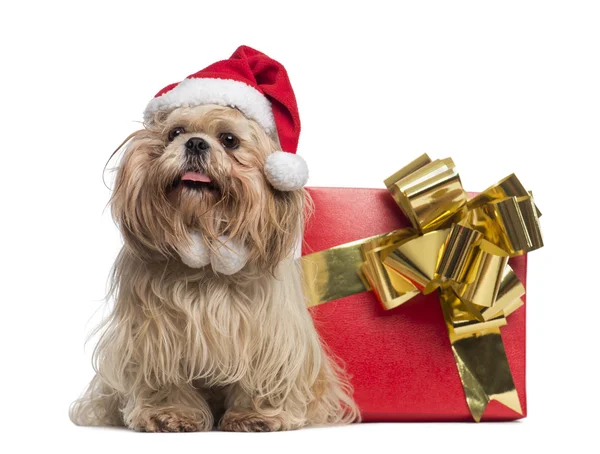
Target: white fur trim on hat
[
  {"x": 286, "y": 171},
  {"x": 230, "y": 256},
  {"x": 223, "y": 92},
  {"x": 197, "y": 254}
]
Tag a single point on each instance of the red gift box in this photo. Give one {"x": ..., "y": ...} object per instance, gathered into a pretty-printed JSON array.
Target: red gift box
[{"x": 400, "y": 361}]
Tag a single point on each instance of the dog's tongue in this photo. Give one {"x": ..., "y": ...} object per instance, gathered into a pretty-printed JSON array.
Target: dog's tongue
[{"x": 195, "y": 176}]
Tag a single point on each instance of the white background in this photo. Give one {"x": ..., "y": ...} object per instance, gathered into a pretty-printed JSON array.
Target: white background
[{"x": 498, "y": 86}]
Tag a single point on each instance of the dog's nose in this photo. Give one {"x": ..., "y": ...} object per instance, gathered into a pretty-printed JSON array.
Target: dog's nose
[{"x": 197, "y": 146}]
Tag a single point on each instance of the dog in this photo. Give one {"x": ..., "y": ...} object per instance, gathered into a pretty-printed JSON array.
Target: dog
[{"x": 210, "y": 326}]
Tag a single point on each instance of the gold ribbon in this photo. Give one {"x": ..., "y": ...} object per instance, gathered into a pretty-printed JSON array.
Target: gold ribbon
[{"x": 457, "y": 247}]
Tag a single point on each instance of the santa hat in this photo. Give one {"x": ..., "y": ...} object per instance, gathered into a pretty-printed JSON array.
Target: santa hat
[{"x": 259, "y": 87}]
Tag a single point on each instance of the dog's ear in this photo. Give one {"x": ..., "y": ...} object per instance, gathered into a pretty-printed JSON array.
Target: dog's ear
[
  {"x": 277, "y": 207},
  {"x": 281, "y": 227},
  {"x": 138, "y": 204}
]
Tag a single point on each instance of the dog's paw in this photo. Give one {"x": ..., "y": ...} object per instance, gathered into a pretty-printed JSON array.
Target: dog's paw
[
  {"x": 169, "y": 421},
  {"x": 237, "y": 421}
]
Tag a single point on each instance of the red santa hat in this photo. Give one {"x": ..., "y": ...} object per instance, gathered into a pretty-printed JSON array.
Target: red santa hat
[{"x": 259, "y": 87}]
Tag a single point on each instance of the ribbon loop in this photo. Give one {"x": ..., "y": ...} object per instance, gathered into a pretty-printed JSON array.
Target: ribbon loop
[
  {"x": 428, "y": 192},
  {"x": 506, "y": 214}
]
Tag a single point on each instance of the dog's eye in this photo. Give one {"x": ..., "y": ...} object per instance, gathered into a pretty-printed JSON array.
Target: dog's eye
[
  {"x": 175, "y": 132},
  {"x": 229, "y": 141}
]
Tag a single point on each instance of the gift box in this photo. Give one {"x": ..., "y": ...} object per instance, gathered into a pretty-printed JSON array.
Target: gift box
[{"x": 400, "y": 360}]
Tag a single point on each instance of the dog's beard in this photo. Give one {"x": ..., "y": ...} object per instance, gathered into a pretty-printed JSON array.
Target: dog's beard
[{"x": 157, "y": 204}]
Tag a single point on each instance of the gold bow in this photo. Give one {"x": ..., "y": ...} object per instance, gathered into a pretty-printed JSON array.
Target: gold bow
[{"x": 456, "y": 246}]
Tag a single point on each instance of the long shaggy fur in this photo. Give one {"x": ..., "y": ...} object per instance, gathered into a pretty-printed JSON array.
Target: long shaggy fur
[{"x": 185, "y": 349}]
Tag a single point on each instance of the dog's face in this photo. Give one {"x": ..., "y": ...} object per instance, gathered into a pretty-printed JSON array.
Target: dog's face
[{"x": 202, "y": 168}]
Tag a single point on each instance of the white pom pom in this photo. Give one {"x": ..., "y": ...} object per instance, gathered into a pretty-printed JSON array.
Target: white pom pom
[
  {"x": 229, "y": 256},
  {"x": 286, "y": 171},
  {"x": 197, "y": 254}
]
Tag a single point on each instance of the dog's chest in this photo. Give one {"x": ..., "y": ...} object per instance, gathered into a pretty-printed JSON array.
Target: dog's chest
[{"x": 222, "y": 327}]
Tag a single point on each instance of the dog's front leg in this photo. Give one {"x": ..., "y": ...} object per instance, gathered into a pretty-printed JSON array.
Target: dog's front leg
[
  {"x": 170, "y": 409},
  {"x": 243, "y": 415}
]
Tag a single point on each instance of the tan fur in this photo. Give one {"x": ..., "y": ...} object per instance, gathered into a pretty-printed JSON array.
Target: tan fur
[{"x": 183, "y": 347}]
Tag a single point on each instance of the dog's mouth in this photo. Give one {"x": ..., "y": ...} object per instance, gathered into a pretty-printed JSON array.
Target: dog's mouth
[{"x": 196, "y": 180}]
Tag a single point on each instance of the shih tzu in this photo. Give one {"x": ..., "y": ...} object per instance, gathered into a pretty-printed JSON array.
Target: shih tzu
[{"x": 210, "y": 326}]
